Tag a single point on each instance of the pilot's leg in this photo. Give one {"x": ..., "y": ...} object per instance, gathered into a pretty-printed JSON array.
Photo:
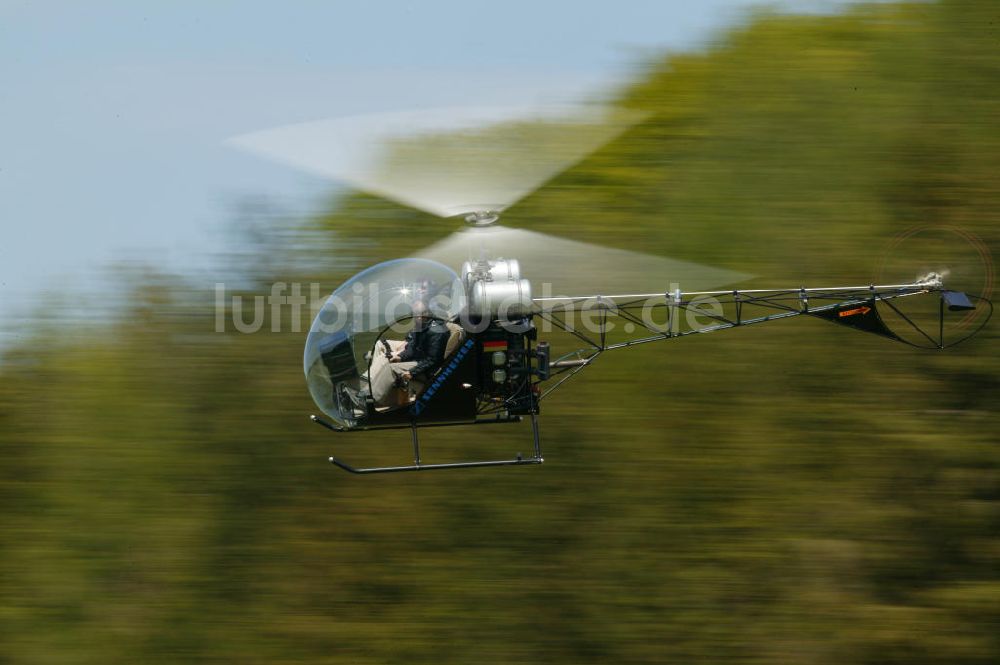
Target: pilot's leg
[
  {"x": 384, "y": 390},
  {"x": 380, "y": 366},
  {"x": 379, "y": 359}
]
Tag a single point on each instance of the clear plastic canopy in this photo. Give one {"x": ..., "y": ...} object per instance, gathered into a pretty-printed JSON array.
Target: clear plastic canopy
[{"x": 356, "y": 314}]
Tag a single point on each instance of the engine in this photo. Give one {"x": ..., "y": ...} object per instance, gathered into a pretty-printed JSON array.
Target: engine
[{"x": 496, "y": 289}]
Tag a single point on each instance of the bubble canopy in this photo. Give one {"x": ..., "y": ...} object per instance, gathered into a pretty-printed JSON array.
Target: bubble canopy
[{"x": 357, "y": 313}]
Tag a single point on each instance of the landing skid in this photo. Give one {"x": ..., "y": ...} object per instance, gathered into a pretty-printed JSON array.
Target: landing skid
[{"x": 418, "y": 464}]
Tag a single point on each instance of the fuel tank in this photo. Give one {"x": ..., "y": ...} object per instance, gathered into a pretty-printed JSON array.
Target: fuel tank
[{"x": 499, "y": 292}]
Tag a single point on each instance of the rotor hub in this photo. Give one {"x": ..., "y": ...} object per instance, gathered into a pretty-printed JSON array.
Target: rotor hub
[
  {"x": 482, "y": 218},
  {"x": 931, "y": 279}
]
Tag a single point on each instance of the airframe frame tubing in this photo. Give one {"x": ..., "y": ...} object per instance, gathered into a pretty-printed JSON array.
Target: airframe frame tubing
[
  {"x": 785, "y": 311},
  {"x": 772, "y": 299},
  {"x": 925, "y": 287}
]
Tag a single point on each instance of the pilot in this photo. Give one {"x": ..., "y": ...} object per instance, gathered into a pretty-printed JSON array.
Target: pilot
[{"x": 422, "y": 354}]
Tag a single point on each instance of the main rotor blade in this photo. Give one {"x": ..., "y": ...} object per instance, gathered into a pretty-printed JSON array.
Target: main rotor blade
[
  {"x": 446, "y": 161},
  {"x": 560, "y": 267}
]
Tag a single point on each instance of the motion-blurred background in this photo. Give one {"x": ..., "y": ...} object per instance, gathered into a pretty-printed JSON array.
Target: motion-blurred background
[{"x": 793, "y": 492}]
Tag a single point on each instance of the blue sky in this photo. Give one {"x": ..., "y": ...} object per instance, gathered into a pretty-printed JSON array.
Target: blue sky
[{"x": 113, "y": 115}]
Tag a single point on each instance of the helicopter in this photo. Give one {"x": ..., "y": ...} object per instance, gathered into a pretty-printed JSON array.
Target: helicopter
[{"x": 495, "y": 366}]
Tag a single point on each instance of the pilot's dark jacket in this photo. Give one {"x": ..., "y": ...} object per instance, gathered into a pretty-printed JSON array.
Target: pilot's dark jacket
[{"x": 426, "y": 347}]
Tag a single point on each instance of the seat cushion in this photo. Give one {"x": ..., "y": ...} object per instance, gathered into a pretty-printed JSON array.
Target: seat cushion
[{"x": 455, "y": 339}]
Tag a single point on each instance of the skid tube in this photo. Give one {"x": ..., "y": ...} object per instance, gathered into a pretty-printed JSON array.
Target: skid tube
[{"x": 418, "y": 464}]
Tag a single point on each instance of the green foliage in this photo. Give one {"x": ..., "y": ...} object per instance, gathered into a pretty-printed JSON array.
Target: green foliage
[{"x": 788, "y": 493}]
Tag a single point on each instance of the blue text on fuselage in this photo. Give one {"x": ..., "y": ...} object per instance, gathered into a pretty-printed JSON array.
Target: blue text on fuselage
[{"x": 439, "y": 380}]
